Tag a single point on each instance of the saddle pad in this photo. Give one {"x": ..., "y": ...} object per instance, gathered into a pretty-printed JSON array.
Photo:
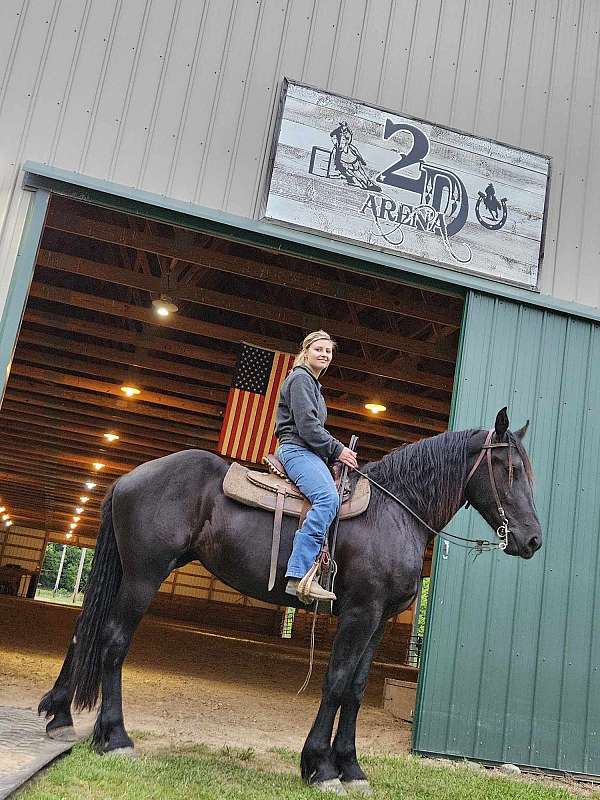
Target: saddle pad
[{"x": 259, "y": 490}]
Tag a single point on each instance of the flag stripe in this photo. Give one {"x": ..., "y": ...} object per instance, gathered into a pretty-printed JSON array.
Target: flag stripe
[
  {"x": 258, "y": 450},
  {"x": 241, "y": 418},
  {"x": 235, "y": 413},
  {"x": 226, "y": 427},
  {"x": 277, "y": 376},
  {"x": 249, "y": 426}
]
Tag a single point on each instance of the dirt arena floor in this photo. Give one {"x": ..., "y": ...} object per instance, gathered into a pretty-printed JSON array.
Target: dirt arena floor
[{"x": 189, "y": 685}]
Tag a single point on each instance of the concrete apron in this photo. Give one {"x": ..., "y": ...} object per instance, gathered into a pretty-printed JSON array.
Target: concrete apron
[{"x": 24, "y": 747}]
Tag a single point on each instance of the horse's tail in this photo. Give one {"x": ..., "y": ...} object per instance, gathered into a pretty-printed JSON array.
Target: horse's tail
[{"x": 103, "y": 584}]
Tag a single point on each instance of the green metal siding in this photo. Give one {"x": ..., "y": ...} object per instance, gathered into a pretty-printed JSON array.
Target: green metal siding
[{"x": 512, "y": 659}]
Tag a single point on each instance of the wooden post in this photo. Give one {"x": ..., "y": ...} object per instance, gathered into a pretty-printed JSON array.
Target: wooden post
[
  {"x": 79, "y": 573},
  {"x": 60, "y": 569}
]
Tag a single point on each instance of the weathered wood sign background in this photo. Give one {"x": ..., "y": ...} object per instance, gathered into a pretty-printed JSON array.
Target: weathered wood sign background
[{"x": 394, "y": 183}]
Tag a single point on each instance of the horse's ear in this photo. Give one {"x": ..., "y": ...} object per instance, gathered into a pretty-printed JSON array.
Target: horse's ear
[
  {"x": 522, "y": 431},
  {"x": 501, "y": 424}
]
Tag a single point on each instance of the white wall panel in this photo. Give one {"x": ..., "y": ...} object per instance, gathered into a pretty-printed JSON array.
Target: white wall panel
[{"x": 177, "y": 96}]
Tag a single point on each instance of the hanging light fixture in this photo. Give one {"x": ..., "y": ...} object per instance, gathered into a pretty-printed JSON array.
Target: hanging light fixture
[
  {"x": 73, "y": 525},
  {"x": 5, "y": 516},
  {"x": 130, "y": 391},
  {"x": 2, "y": 508},
  {"x": 84, "y": 498},
  {"x": 76, "y": 519},
  {"x": 8, "y": 523},
  {"x": 90, "y": 485},
  {"x": 375, "y": 408},
  {"x": 98, "y": 465},
  {"x": 79, "y": 509},
  {"x": 68, "y": 535},
  {"x": 111, "y": 437},
  {"x": 164, "y": 306}
]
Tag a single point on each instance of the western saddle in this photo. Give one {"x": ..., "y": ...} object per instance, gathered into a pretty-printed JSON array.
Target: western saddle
[{"x": 274, "y": 491}]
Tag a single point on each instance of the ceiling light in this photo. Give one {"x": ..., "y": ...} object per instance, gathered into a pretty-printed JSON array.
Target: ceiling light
[
  {"x": 89, "y": 485},
  {"x": 84, "y": 498},
  {"x": 164, "y": 306},
  {"x": 98, "y": 465},
  {"x": 5, "y": 516},
  {"x": 68, "y": 535},
  {"x": 2, "y": 508},
  {"x": 76, "y": 519},
  {"x": 8, "y": 523},
  {"x": 375, "y": 408},
  {"x": 73, "y": 525},
  {"x": 79, "y": 509},
  {"x": 130, "y": 391},
  {"x": 111, "y": 437}
]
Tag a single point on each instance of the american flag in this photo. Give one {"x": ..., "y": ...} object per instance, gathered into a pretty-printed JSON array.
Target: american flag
[{"x": 247, "y": 431}]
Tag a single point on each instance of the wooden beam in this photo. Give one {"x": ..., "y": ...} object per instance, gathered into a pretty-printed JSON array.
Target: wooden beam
[
  {"x": 114, "y": 390},
  {"x": 163, "y": 345},
  {"x": 28, "y": 354},
  {"x": 247, "y": 306},
  {"x": 69, "y": 423},
  {"x": 185, "y": 248},
  {"x": 116, "y": 356},
  {"x": 90, "y": 367},
  {"x": 40, "y": 412},
  {"x": 26, "y": 392},
  {"x": 211, "y": 330}
]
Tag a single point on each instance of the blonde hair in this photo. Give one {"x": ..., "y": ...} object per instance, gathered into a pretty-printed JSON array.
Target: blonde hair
[{"x": 301, "y": 358}]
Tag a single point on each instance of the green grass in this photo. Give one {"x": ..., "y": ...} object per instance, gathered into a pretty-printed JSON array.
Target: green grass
[
  {"x": 61, "y": 596},
  {"x": 198, "y": 773}
]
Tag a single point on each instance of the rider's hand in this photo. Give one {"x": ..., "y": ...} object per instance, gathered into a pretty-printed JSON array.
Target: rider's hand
[{"x": 348, "y": 457}]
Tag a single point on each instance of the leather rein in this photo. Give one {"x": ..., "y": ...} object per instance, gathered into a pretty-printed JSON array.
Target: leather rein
[{"x": 477, "y": 544}]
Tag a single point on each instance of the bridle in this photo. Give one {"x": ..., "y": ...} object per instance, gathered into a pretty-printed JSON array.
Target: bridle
[
  {"x": 476, "y": 544},
  {"x": 503, "y": 529}
]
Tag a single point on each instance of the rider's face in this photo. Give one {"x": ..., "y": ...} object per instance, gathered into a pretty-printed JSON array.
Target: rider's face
[{"x": 319, "y": 355}]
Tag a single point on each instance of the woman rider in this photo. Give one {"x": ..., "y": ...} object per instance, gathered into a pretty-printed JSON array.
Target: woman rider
[{"x": 305, "y": 449}]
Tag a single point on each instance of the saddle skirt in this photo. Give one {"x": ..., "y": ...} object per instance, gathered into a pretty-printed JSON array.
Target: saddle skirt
[{"x": 262, "y": 489}]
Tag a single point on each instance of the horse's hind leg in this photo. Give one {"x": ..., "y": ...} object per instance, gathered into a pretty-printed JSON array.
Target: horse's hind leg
[
  {"x": 355, "y": 631},
  {"x": 130, "y": 604},
  {"x": 344, "y": 743},
  {"x": 57, "y": 702}
]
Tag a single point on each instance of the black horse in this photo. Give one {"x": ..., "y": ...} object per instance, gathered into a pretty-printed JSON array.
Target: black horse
[{"x": 168, "y": 512}]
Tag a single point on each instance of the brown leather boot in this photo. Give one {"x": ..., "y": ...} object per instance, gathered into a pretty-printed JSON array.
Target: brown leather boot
[{"x": 316, "y": 591}]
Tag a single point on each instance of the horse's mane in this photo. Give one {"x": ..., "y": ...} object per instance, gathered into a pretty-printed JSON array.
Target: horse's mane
[{"x": 427, "y": 475}]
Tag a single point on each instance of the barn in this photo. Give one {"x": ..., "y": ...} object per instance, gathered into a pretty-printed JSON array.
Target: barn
[{"x": 417, "y": 179}]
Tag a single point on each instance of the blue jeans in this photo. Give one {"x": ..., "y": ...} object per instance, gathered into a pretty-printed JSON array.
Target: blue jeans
[{"x": 312, "y": 477}]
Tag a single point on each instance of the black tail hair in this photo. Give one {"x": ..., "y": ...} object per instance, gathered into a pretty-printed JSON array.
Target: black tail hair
[{"x": 103, "y": 585}]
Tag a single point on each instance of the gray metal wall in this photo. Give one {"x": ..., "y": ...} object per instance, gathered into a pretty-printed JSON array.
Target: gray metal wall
[
  {"x": 512, "y": 666},
  {"x": 176, "y": 96}
]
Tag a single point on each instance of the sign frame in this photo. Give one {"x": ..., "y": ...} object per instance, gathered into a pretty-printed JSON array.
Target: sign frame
[{"x": 362, "y": 182}]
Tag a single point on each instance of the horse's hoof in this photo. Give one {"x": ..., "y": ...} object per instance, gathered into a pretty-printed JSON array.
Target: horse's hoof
[
  {"x": 362, "y": 786},
  {"x": 64, "y": 734},
  {"x": 333, "y": 785},
  {"x": 122, "y": 752}
]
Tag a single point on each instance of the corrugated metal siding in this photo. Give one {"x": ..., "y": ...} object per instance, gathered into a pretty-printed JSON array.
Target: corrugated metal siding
[
  {"x": 177, "y": 96},
  {"x": 512, "y": 666}
]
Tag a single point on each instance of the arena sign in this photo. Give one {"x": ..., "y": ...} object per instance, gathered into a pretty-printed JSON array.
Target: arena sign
[{"x": 391, "y": 182}]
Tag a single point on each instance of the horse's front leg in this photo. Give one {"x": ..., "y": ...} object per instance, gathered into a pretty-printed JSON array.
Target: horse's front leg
[
  {"x": 344, "y": 744},
  {"x": 355, "y": 630}
]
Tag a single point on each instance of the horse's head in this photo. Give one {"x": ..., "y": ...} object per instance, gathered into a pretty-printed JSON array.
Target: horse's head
[{"x": 500, "y": 486}]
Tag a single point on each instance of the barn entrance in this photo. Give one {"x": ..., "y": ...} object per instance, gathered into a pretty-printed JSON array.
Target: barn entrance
[{"x": 101, "y": 381}]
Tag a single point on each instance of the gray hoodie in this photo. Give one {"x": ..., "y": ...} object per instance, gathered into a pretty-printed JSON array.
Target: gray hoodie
[{"x": 301, "y": 415}]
